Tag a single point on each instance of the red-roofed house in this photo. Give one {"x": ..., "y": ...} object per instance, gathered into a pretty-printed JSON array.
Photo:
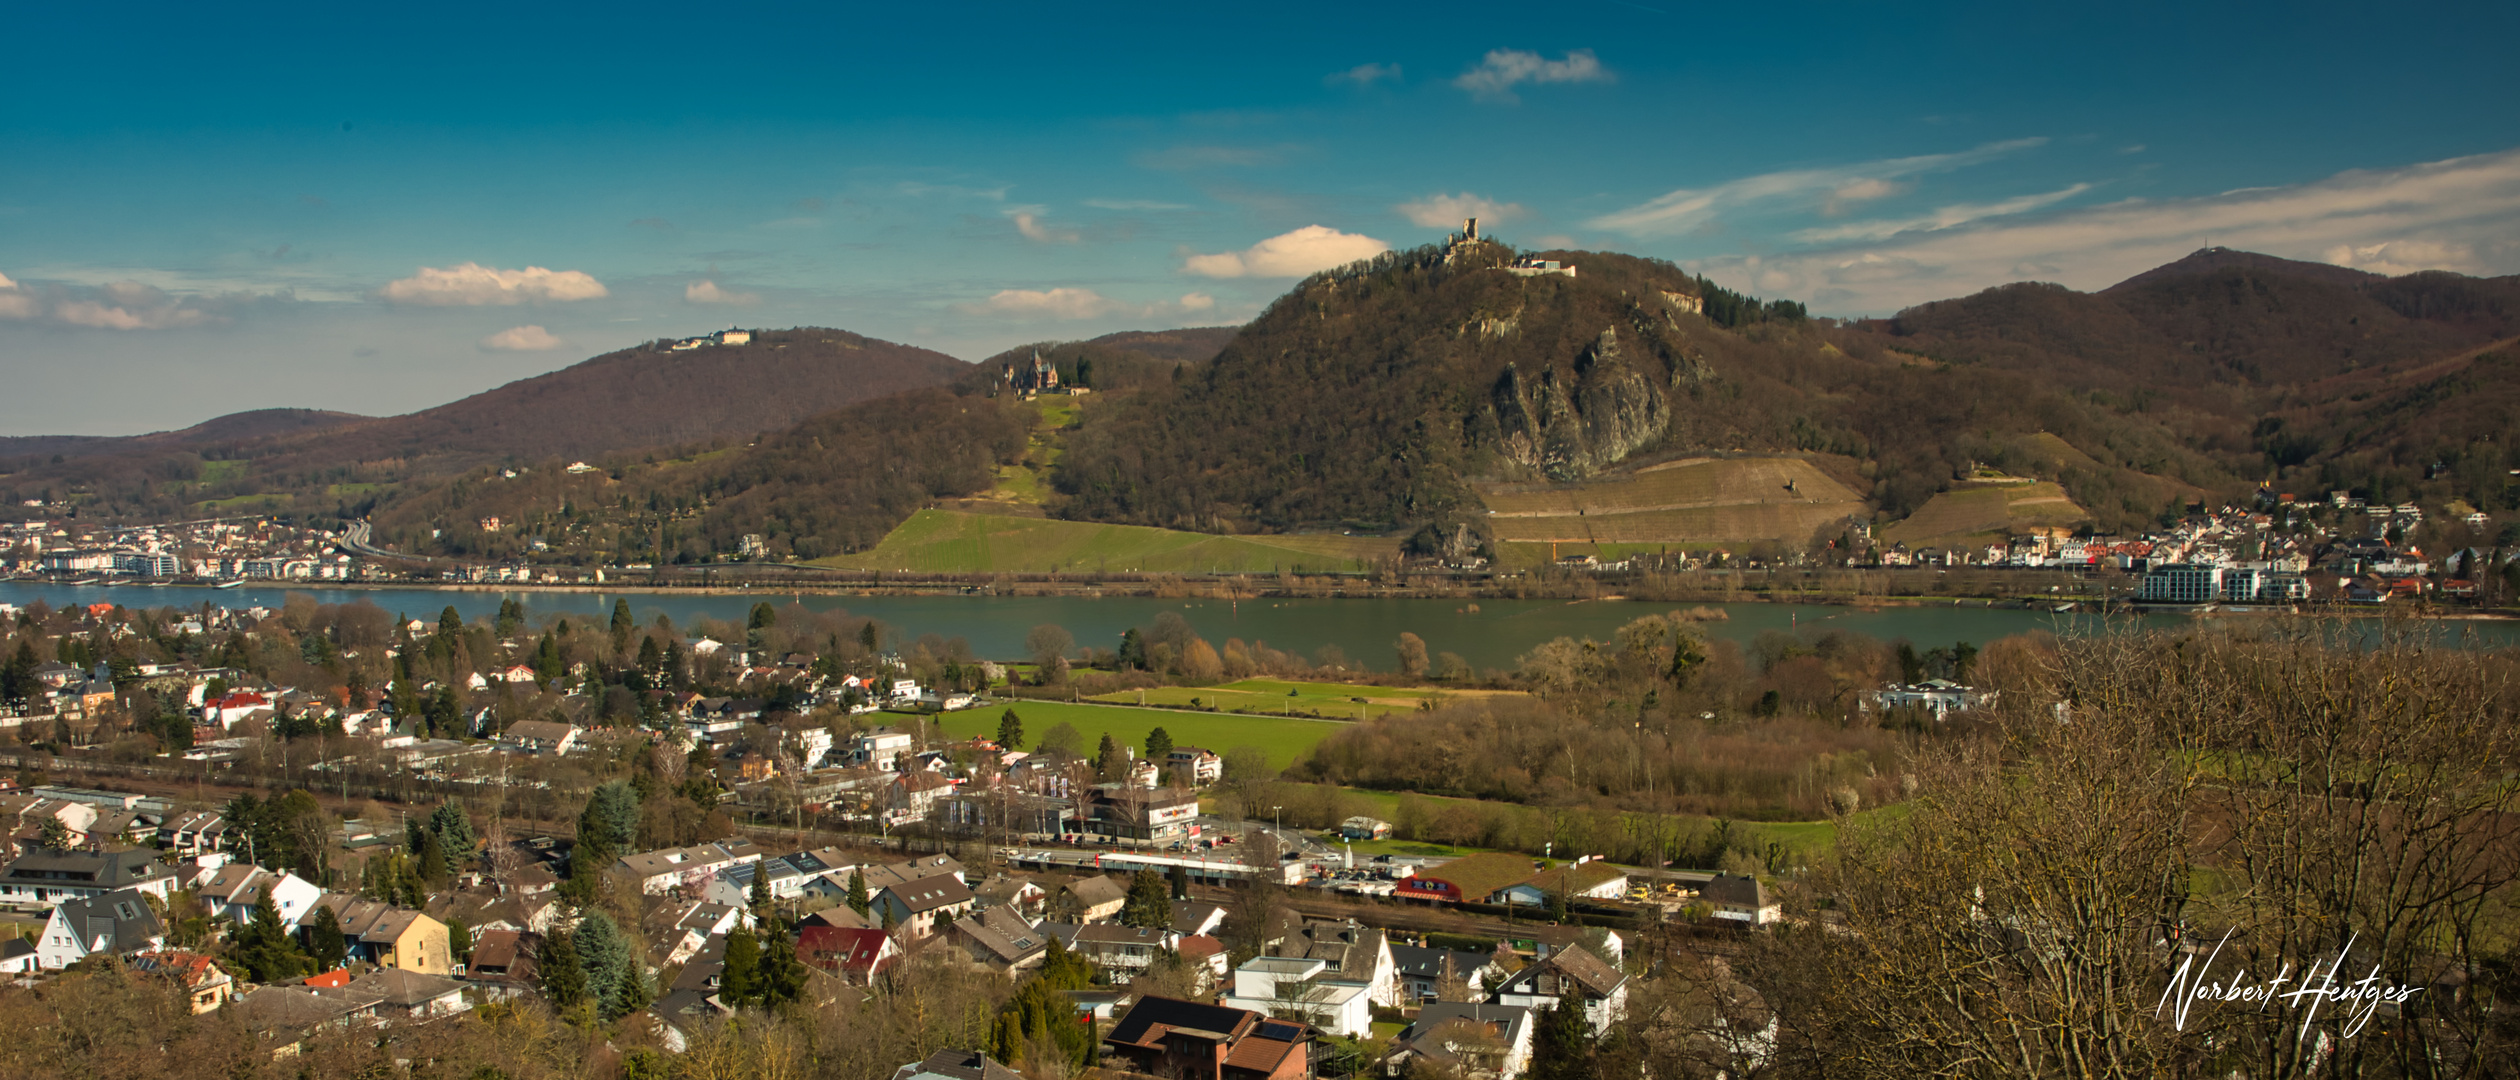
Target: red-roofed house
[
  {"x": 334, "y": 979},
  {"x": 858, "y": 955}
]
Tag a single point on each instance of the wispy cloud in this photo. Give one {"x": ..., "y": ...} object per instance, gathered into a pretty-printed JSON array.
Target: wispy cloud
[
  {"x": 1134, "y": 204},
  {"x": 1363, "y": 75},
  {"x": 2461, "y": 214},
  {"x": 708, "y": 292},
  {"x": 1028, "y": 222},
  {"x": 1842, "y": 186},
  {"x": 1496, "y": 75},
  {"x": 474, "y": 285},
  {"x": 120, "y": 305},
  {"x": 1069, "y": 303},
  {"x": 1944, "y": 218},
  {"x": 1307, "y": 250},
  {"x": 1443, "y": 211},
  {"x": 521, "y": 339}
]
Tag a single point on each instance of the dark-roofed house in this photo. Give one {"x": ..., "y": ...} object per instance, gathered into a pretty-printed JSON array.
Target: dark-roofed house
[
  {"x": 17, "y": 957},
  {"x": 115, "y": 924},
  {"x": 999, "y": 940},
  {"x": 1356, "y": 955},
  {"x": 1540, "y": 986},
  {"x": 915, "y": 905},
  {"x": 1123, "y": 950},
  {"x": 1169, "y": 1037},
  {"x": 47, "y": 878},
  {"x": 1423, "y": 971},
  {"x": 389, "y": 936},
  {"x": 285, "y": 1016},
  {"x": 1471, "y": 878},
  {"x": 1740, "y": 898},
  {"x": 502, "y": 962},
  {"x": 956, "y": 1065},
  {"x": 1491, "y": 1042}
]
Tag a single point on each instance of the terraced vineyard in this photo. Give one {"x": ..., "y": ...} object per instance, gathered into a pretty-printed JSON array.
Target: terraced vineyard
[
  {"x": 1987, "y": 509},
  {"x": 1695, "y": 501},
  {"x": 1285, "y": 698}
]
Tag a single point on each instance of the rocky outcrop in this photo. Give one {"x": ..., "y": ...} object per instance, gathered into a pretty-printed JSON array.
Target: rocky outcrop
[{"x": 1568, "y": 429}]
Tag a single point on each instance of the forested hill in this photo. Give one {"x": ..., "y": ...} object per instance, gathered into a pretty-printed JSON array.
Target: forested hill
[
  {"x": 1113, "y": 361},
  {"x": 1376, "y": 395},
  {"x": 638, "y": 398}
]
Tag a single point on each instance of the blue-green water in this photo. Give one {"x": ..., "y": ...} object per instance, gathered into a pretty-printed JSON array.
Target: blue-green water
[{"x": 1365, "y": 630}]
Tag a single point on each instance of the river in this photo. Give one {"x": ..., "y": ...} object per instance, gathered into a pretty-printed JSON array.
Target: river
[{"x": 1492, "y": 636}]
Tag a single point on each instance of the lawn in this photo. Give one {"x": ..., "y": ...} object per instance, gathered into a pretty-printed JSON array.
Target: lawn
[
  {"x": 1285, "y": 698},
  {"x": 1282, "y": 739},
  {"x": 956, "y": 542}
]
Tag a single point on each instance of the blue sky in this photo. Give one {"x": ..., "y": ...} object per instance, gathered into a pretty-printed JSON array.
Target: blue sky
[{"x": 203, "y": 210}]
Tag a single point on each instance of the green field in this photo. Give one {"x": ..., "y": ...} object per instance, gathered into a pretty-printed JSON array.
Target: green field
[
  {"x": 955, "y": 542},
  {"x": 1291, "y": 698},
  {"x": 1811, "y": 840},
  {"x": 1282, "y": 739},
  {"x": 221, "y": 470}
]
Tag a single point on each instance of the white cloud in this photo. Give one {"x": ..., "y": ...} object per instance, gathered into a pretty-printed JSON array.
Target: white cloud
[
  {"x": 1059, "y": 303},
  {"x": 1687, "y": 208},
  {"x": 1028, "y": 222},
  {"x": 472, "y": 284},
  {"x": 2462, "y": 214},
  {"x": 1944, "y": 218},
  {"x": 1496, "y": 76},
  {"x": 16, "y": 303},
  {"x": 521, "y": 339},
  {"x": 1440, "y": 211},
  {"x": 1364, "y": 75},
  {"x": 1307, "y": 250},
  {"x": 708, "y": 292},
  {"x": 1197, "y": 301}
]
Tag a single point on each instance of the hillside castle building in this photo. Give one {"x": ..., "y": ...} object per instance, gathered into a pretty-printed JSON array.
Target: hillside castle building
[{"x": 1039, "y": 377}]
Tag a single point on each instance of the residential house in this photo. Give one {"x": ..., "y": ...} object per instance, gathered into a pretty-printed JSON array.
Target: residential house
[
  {"x": 1488, "y": 1042},
  {"x": 549, "y": 738},
  {"x": 1353, "y": 954},
  {"x": 236, "y": 889},
  {"x": 912, "y": 795},
  {"x": 193, "y": 833},
  {"x": 676, "y": 931},
  {"x": 1295, "y": 988},
  {"x": 956, "y": 1065},
  {"x": 1195, "y": 767},
  {"x": 389, "y": 936},
  {"x": 1470, "y": 879},
  {"x": 202, "y": 980},
  {"x": 661, "y": 871},
  {"x": 1089, "y": 899},
  {"x": 1423, "y": 972},
  {"x": 17, "y": 957},
  {"x": 860, "y": 956},
  {"x": 410, "y": 995},
  {"x": 43, "y": 879},
  {"x": 502, "y": 963},
  {"x": 1000, "y": 940},
  {"x": 914, "y": 906},
  {"x": 1740, "y": 898},
  {"x": 1125, "y": 812},
  {"x": 1023, "y": 895},
  {"x": 1587, "y": 878},
  {"x": 1188, "y": 1040},
  {"x": 115, "y": 924},
  {"x": 882, "y": 748},
  {"x": 286, "y": 1016},
  {"x": 1123, "y": 951},
  {"x": 1196, "y": 917},
  {"x": 1541, "y": 986}
]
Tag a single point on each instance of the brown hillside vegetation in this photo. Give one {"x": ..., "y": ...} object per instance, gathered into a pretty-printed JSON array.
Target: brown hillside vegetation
[{"x": 1694, "y": 499}]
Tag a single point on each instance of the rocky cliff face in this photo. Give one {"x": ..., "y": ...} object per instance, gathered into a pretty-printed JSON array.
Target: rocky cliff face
[{"x": 1571, "y": 429}]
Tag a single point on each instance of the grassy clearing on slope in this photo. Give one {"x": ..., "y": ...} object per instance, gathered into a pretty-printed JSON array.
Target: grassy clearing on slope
[
  {"x": 1282, "y": 739},
  {"x": 1337, "y": 700},
  {"x": 946, "y": 541}
]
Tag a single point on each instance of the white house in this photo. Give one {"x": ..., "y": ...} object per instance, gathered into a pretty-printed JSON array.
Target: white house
[
  {"x": 1542, "y": 985},
  {"x": 233, "y": 892},
  {"x": 1293, "y": 989},
  {"x": 1740, "y": 898},
  {"x": 116, "y": 924}
]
